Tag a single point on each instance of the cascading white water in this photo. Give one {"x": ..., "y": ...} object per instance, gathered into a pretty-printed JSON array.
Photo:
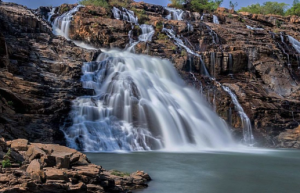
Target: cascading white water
[
  {"x": 174, "y": 14},
  {"x": 62, "y": 23},
  {"x": 285, "y": 47},
  {"x": 248, "y": 137},
  {"x": 128, "y": 15},
  {"x": 125, "y": 14},
  {"x": 171, "y": 34},
  {"x": 253, "y": 28},
  {"x": 147, "y": 33},
  {"x": 51, "y": 13},
  {"x": 215, "y": 20},
  {"x": 295, "y": 43},
  {"x": 214, "y": 35},
  {"x": 141, "y": 104}
]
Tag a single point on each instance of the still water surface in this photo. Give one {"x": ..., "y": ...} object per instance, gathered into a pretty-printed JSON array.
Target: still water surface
[{"x": 262, "y": 171}]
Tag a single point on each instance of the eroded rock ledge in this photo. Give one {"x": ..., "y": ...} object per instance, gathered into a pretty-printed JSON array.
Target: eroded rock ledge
[{"x": 37, "y": 167}]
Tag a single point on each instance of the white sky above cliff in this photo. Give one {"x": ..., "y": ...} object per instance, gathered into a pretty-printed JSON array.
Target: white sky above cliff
[{"x": 37, "y": 3}]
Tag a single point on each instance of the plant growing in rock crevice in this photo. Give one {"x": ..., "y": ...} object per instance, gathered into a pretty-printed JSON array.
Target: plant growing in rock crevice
[
  {"x": 6, "y": 159},
  {"x": 119, "y": 173}
]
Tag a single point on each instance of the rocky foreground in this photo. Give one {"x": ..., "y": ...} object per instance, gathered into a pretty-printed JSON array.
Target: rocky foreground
[{"x": 36, "y": 167}]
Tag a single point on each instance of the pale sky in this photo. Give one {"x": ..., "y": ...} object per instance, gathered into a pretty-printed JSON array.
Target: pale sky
[{"x": 37, "y": 3}]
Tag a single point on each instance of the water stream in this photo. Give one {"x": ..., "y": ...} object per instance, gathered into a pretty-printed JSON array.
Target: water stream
[
  {"x": 248, "y": 138},
  {"x": 174, "y": 14}
]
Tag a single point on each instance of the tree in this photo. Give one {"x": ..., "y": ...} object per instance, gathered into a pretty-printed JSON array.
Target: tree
[
  {"x": 266, "y": 8},
  {"x": 233, "y": 5},
  {"x": 295, "y": 10}
]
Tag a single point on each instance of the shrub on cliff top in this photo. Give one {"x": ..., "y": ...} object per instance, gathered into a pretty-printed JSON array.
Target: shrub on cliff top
[
  {"x": 119, "y": 3},
  {"x": 198, "y": 5},
  {"x": 266, "y": 8},
  {"x": 98, "y": 3},
  {"x": 295, "y": 10}
]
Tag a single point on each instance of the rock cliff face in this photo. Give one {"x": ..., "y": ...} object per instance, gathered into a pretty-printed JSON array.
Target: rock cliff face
[
  {"x": 260, "y": 66},
  {"x": 39, "y": 76},
  {"x": 40, "y": 72}
]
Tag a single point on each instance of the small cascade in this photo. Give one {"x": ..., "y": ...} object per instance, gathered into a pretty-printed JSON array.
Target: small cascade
[
  {"x": 273, "y": 35},
  {"x": 61, "y": 24},
  {"x": 171, "y": 34},
  {"x": 125, "y": 14},
  {"x": 285, "y": 48},
  {"x": 248, "y": 137},
  {"x": 51, "y": 13},
  {"x": 174, "y": 14},
  {"x": 190, "y": 27},
  {"x": 141, "y": 104},
  {"x": 295, "y": 43},
  {"x": 254, "y": 28},
  {"x": 215, "y": 20},
  {"x": 213, "y": 35},
  {"x": 147, "y": 33},
  {"x": 128, "y": 15},
  {"x": 202, "y": 16},
  {"x": 230, "y": 65}
]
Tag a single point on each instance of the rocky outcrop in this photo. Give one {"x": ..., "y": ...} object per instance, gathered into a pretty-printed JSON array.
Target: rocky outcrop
[{"x": 55, "y": 168}]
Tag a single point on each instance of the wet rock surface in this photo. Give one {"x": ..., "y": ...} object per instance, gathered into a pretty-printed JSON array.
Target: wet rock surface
[{"x": 42, "y": 171}]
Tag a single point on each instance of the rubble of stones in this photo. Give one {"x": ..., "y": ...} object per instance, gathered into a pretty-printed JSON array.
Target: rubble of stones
[{"x": 36, "y": 167}]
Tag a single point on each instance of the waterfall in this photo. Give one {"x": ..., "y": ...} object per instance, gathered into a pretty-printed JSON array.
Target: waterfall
[
  {"x": 179, "y": 42},
  {"x": 215, "y": 19},
  {"x": 50, "y": 14},
  {"x": 295, "y": 43},
  {"x": 62, "y": 23},
  {"x": 141, "y": 103},
  {"x": 285, "y": 47},
  {"x": 125, "y": 14},
  {"x": 248, "y": 137},
  {"x": 213, "y": 35},
  {"x": 147, "y": 33},
  {"x": 253, "y": 28},
  {"x": 174, "y": 14}
]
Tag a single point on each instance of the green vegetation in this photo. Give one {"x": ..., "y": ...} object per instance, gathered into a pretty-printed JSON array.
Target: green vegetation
[
  {"x": 119, "y": 3},
  {"x": 198, "y": 5},
  {"x": 6, "y": 163},
  {"x": 10, "y": 103},
  {"x": 141, "y": 15},
  {"x": 177, "y": 3},
  {"x": 159, "y": 26},
  {"x": 295, "y": 9},
  {"x": 99, "y": 3},
  {"x": 162, "y": 36},
  {"x": 266, "y": 8},
  {"x": 233, "y": 5},
  {"x": 205, "y": 5},
  {"x": 183, "y": 53},
  {"x": 118, "y": 173},
  {"x": 6, "y": 159}
]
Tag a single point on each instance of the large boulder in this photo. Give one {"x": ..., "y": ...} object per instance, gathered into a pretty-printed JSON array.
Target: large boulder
[
  {"x": 35, "y": 171},
  {"x": 19, "y": 144}
]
